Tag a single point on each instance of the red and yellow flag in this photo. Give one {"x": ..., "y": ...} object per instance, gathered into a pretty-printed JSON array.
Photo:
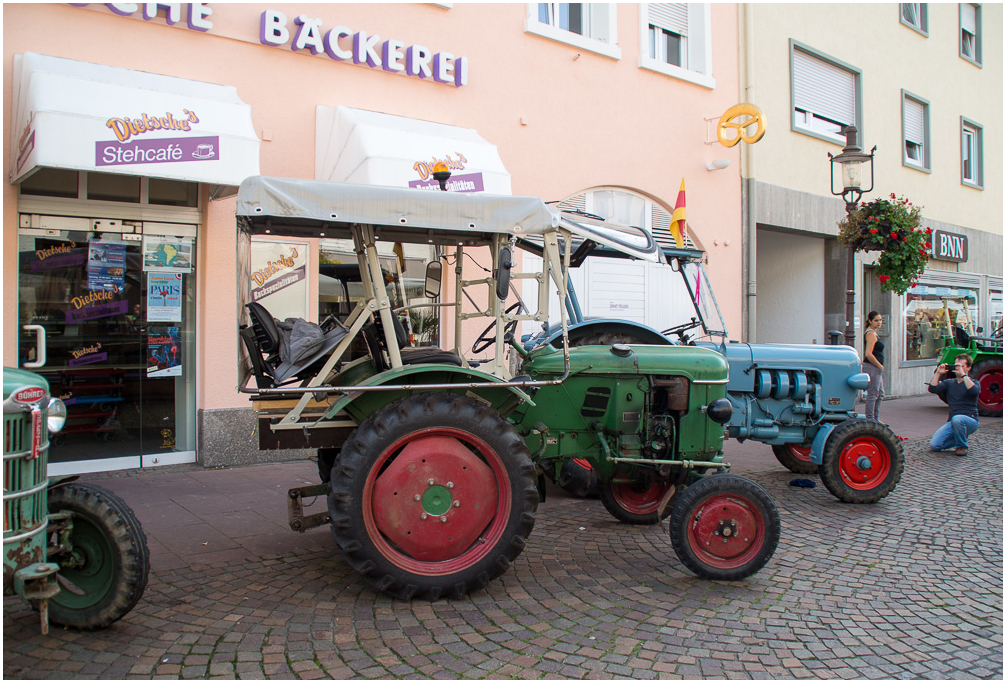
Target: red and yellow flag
[{"x": 678, "y": 218}]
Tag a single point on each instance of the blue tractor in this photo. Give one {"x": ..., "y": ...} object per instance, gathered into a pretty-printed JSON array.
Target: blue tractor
[{"x": 798, "y": 398}]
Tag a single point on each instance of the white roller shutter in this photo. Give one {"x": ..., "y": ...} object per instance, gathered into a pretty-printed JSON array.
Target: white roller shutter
[
  {"x": 915, "y": 121},
  {"x": 671, "y": 16},
  {"x": 969, "y": 19},
  {"x": 823, "y": 88}
]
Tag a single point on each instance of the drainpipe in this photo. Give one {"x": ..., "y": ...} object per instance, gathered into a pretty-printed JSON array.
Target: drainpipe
[{"x": 749, "y": 204}]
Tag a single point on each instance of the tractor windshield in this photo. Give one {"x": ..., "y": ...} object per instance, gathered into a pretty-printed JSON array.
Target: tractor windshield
[{"x": 700, "y": 291}]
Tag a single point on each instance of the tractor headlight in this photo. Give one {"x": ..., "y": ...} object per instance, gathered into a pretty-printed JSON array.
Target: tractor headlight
[
  {"x": 720, "y": 410},
  {"x": 55, "y": 415}
]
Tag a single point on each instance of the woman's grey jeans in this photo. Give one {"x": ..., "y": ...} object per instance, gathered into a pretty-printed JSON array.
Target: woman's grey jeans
[{"x": 874, "y": 392}]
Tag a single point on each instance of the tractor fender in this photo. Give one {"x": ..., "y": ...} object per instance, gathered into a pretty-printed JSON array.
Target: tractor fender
[
  {"x": 646, "y": 335},
  {"x": 412, "y": 376},
  {"x": 820, "y": 439}
]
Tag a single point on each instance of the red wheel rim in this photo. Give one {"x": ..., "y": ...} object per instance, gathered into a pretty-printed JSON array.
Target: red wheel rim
[
  {"x": 991, "y": 384},
  {"x": 726, "y": 531},
  {"x": 637, "y": 500},
  {"x": 864, "y": 463},
  {"x": 456, "y": 521},
  {"x": 799, "y": 452}
]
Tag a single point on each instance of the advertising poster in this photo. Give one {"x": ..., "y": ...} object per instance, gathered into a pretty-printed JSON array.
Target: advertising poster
[
  {"x": 164, "y": 351},
  {"x": 106, "y": 265},
  {"x": 279, "y": 277},
  {"x": 164, "y": 297},
  {"x": 164, "y": 254}
]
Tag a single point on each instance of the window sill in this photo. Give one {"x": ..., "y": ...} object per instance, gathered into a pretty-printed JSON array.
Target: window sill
[
  {"x": 916, "y": 166},
  {"x": 969, "y": 60},
  {"x": 972, "y": 184},
  {"x": 705, "y": 80},
  {"x": 921, "y": 31},
  {"x": 820, "y": 134},
  {"x": 575, "y": 39}
]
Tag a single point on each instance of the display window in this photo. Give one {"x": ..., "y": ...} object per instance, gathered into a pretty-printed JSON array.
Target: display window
[
  {"x": 930, "y": 315},
  {"x": 995, "y": 313}
]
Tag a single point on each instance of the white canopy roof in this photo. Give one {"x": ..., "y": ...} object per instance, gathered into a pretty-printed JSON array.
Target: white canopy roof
[
  {"x": 91, "y": 117},
  {"x": 371, "y": 148}
]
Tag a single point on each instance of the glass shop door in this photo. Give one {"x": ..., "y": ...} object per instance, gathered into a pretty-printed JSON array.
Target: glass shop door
[{"x": 107, "y": 315}]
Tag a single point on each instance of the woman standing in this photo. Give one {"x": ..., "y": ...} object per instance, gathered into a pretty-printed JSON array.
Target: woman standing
[{"x": 873, "y": 365}]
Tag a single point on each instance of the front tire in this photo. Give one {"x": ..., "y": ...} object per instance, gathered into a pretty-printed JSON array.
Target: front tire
[
  {"x": 637, "y": 502},
  {"x": 107, "y": 558},
  {"x": 724, "y": 527},
  {"x": 862, "y": 461},
  {"x": 795, "y": 458},
  {"x": 988, "y": 375},
  {"x": 432, "y": 495}
]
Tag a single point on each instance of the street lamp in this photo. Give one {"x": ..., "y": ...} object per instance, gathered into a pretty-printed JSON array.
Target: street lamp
[{"x": 851, "y": 161}]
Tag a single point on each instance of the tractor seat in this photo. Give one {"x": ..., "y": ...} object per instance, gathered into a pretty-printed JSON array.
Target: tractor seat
[
  {"x": 411, "y": 355},
  {"x": 287, "y": 354}
]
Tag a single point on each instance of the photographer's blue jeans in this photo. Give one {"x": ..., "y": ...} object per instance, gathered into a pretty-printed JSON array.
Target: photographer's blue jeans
[{"x": 954, "y": 433}]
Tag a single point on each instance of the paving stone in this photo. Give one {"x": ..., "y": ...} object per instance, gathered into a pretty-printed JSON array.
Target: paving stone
[{"x": 910, "y": 587}]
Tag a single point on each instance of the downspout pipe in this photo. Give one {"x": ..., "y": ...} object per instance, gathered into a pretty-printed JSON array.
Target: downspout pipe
[{"x": 750, "y": 217}]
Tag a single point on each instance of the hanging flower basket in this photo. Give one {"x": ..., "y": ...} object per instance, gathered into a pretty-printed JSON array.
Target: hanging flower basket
[{"x": 890, "y": 226}]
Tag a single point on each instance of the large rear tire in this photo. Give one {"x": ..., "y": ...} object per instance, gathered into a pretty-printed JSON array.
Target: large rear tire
[
  {"x": 988, "y": 375},
  {"x": 107, "y": 558},
  {"x": 795, "y": 458},
  {"x": 862, "y": 461},
  {"x": 724, "y": 527},
  {"x": 432, "y": 495}
]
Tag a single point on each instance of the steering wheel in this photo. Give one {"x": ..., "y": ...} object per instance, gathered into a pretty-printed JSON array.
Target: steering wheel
[
  {"x": 485, "y": 340},
  {"x": 680, "y": 330}
]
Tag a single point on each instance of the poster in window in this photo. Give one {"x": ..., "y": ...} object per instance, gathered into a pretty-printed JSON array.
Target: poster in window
[
  {"x": 164, "y": 351},
  {"x": 167, "y": 254},
  {"x": 164, "y": 297},
  {"x": 106, "y": 265},
  {"x": 279, "y": 277}
]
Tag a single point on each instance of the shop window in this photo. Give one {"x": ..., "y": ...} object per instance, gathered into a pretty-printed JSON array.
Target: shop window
[
  {"x": 586, "y": 25},
  {"x": 172, "y": 192},
  {"x": 675, "y": 40},
  {"x": 971, "y": 154},
  {"x": 971, "y": 33},
  {"x": 110, "y": 187},
  {"x": 915, "y": 125},
  {"x": 931, "y": 314},
  {"x": 915, "y": 15},
  {"x": 995, "y": 328},
  {"x": 825, "y": 94},
  {"x": 51, "y": 182}
]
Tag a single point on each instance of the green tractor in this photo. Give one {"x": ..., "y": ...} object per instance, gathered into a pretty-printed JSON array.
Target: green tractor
[
  {"x": 75, "y": 551},
  {"x": 960, "y": 337},
  {"x": 433, "y": 460}
]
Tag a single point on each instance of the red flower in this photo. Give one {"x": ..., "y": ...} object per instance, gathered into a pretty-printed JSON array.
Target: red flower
[
  {"x": 929, "y": 245},
  {"x": 929, "y": 231},
  {"x": 883, "y": 278},
  {"x": 894, "y": 235},
  {"x": 892, "y": 195},
  {"x": 873, "y": 231}
]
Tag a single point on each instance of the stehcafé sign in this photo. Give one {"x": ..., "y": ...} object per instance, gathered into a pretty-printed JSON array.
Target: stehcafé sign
[{"x": 949, "y": 246}]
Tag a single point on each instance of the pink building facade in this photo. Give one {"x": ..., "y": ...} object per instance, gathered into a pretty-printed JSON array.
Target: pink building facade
[{"x": 127, "y": 132}]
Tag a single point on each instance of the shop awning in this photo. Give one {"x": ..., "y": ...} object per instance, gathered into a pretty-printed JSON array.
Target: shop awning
[
  {"x": 90, "y": 117},
  {"x": 370, "y": 148}
]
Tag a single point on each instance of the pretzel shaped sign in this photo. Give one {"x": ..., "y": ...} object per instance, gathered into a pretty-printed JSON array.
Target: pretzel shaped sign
[{"x": 727, "y": 122}]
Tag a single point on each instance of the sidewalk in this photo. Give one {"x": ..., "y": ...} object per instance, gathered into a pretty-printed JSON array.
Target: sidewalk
[{"x": 910, "y": 587}]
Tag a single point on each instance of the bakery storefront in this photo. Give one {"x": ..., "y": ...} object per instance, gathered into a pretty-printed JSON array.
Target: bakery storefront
[{"x": 112, "y": 168}]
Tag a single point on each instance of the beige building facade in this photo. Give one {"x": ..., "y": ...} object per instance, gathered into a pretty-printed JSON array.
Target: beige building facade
[{"x": 924, "y": 84}]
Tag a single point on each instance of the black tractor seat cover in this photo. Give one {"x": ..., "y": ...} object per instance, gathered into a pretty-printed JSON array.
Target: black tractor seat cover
[{"x": 290, "y": 348}]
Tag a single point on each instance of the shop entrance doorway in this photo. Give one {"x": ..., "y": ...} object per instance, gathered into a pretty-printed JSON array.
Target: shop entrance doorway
[{"x": 106, "y": 313}]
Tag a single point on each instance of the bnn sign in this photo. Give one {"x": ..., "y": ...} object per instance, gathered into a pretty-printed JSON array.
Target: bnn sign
[{"x": 948, "y": 246}]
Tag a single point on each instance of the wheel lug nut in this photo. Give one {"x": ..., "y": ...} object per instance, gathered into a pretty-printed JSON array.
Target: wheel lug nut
[
  {"x": 430, "y": 482},
  {"x": 450, "y": 484},
  {"x": 415, "y": 497},
  {"x": 443, "y": 519},
  {"x": 423, "y": 516},
  {"x": 457, "y": 503}
]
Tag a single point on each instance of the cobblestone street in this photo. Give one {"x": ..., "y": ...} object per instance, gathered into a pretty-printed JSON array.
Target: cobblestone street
[{"x": 910, "y": 587}]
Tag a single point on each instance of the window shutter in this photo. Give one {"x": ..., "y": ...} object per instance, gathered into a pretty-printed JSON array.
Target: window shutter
[
  {"x": 823, "y": 88},
  {"x": 969, "y": 19},
  {"x": 915, "y": 121},
  {"x": 574, "y": 203},
  {"x": 671, "y": 16}
]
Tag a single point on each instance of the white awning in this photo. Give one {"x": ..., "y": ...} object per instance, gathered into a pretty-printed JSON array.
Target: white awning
[
  {"x": 370, "y": 148},
  {"x": 90, "y": 117}
]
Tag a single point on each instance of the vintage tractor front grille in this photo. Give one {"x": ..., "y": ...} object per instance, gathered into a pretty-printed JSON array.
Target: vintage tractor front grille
[{"x": 24, "y": 477}]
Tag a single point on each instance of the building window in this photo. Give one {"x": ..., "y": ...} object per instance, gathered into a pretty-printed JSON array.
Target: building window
[
  {"x": 110, "y": 187},
  {"x": 971, "y": 154},
  {"x": 971, "y": 33},
  {"x": 915, "y": 15},
  {"x": 586, "y": 25},
  {"x": 931, "y": 314},
  {"x": 915, "y": 124},
  {"x": 675, "y": 40},
  {"x": 825, "y": 94},
  {"x": 995, "y": 306},
  {"x": 628, "y": 208}
]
